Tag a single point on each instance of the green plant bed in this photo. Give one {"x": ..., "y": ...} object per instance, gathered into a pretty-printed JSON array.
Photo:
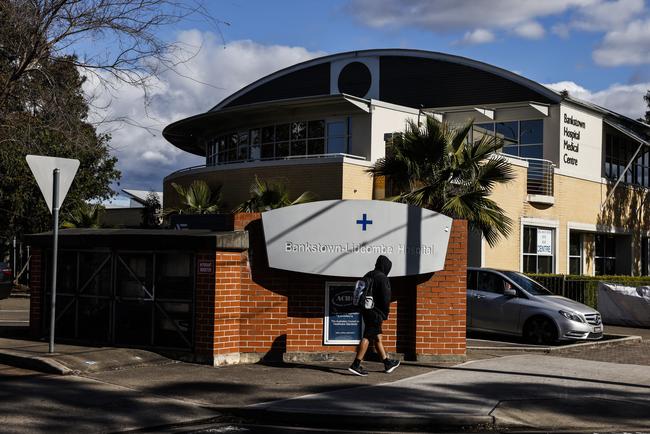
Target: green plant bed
[{"x": 584, "y": 289}]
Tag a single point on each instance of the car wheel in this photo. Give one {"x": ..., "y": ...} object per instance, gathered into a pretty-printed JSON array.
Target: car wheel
[{"x": 540, "y": 331}]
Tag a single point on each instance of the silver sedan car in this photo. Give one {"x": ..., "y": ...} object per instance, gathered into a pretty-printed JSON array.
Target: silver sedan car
[{"x": 507, "y": 302}]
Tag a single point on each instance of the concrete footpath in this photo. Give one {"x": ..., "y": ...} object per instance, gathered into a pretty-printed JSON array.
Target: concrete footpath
[
  {"x": 513, "y": 392},
  {"x": 518, "y": 392}
]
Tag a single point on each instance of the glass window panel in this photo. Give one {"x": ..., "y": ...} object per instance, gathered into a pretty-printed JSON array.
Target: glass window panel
[
  {"x": 575, "y": 244},
  {"x": 282, "y": 132},
  {"x": 531, "y": 132},
  {"x": 545, "y": 264},
  {"x": 233, "y": 140},
  {"x": 530, "y": 239},
  {"x": 610, "y": 246},
  {"x": 268, "y": 150},
  {"x": 222, "y": 144},
  {"x": 336, "y": 129},
  {"x": 268, "y": 134},
  {"x": 645, "y": 177},
  {"x": 316, "y": 129},
  {"x": 255, "y": 145},
  {"x": 316, "y": 146},
  {"x": 298, "y": 130},
  {"x": 232, "y": 155},
  {"x": 481, "y": 130},
  {"x": 471, "y": 279},
  {"x": 600, "y": 245},
  {"x": 511, "y": 150},
  {"x": 530, "y": 264},
  {"x": 531, "y": 151},
  {"x": 298, "y": 147},
  {"x": 599, "y": 266},
  {"x": 508, "y": 131},
  {"x": 489, "y": 282},
  {"x": 282, "y": 149},
  {"x": 335, "y": 145},
  {"x": 574, "y": 266}
]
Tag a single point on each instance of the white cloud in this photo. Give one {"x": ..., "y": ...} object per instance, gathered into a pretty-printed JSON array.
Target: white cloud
[
  {"x": 626, "y": 99},
  {"x": 478, "y": 36},
  {"x": 530, "y": 30},
  {"x": 144, "y": 156},
  {"x": 606, "y": 15},
  {"x": 627, "y": 46},
  {"x": 445, "y": 15}
]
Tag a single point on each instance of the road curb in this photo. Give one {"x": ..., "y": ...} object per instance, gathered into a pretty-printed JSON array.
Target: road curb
[
  {"x": 619, "y": 340},
  {"x": 34, "y": 363},
  {"x": 438, "y": 422}
]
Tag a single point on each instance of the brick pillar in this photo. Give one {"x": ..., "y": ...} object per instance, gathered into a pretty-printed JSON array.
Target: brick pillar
[
  {"x": 242, "y": 219},
  {"x": 441, "y": 305},
  {"x": 227, "y": 308},
  {"x": 36, "y": 291}
]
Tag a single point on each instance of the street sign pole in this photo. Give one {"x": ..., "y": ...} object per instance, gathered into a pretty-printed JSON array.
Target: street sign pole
[{"x": 55, "y": 249}]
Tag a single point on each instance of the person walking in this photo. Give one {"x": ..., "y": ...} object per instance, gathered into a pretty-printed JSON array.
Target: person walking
[{"x": 373, "y": 318}]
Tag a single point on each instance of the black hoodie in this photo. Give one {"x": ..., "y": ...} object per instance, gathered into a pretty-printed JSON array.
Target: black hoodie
[{"x": 381, "y": 285}]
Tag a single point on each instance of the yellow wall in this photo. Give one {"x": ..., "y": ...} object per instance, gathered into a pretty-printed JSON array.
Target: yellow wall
[
  {"x": 331, "y": 180},
  {"x": 577, "y": 203}
]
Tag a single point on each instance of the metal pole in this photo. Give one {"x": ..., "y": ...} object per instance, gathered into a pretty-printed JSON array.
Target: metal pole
[
  {"x": 13, "y": 270},
  {"x": 55, "y": 248}
]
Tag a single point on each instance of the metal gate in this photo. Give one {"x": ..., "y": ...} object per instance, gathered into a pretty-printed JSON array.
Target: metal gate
[{"x": 128, "y": 298}]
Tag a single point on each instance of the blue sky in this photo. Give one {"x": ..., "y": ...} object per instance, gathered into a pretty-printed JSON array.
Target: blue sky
[{"x": 597, "y": 49}]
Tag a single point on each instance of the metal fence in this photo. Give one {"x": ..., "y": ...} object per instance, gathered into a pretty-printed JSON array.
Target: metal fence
[{"x": 584, "y": 289}]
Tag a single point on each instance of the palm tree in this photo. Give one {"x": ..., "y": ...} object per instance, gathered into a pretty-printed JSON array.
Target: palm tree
[
  {"x": 84, "y": 215},
  {"x": 267, "y": 195},
  {"x": 437, "y": 167},
  {"x": 197, "y": 198}
]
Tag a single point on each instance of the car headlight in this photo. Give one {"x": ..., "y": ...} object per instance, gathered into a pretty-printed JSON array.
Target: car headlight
[{"x": 572, "y": 316}]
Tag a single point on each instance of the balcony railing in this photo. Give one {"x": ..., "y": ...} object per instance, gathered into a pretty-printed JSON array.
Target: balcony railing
[
  {"x": 292, "y": 157},
  {"x": 540, "y": 177}
]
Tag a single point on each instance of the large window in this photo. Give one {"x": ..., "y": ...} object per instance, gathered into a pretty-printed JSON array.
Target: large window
[
  {"x": 605, "y": 257},
  {"x": 575, "y": 252},
  {"x": 289, "y": 139},
  {"x": 520, "y": 138},
  {"x": 538, "y": 250},
  {"x": 619, "y": 150}
]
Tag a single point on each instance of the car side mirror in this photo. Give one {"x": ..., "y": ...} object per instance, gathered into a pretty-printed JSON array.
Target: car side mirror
[{"x": 510, "y": 292}]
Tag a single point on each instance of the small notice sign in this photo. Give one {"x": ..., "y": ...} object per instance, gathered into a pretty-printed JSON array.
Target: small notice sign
[
  {"x": 205, "y": 267},
  {"x": 544, "y": 242}
]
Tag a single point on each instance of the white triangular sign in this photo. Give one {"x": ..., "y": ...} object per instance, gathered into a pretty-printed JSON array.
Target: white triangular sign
[{"x": 43, "y": 169}]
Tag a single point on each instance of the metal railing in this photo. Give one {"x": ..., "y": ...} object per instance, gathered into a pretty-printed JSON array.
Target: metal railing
[
  {"x": 539, "y": 179},
  {"x": 289, "y": 157}
]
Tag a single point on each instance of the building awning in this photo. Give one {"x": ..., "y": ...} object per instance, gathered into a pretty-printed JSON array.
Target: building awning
[
  {"x": 634, "y": 135},
  {"x": 186, "y": 133}
]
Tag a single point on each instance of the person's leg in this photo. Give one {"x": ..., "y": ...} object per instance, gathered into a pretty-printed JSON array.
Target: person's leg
[
  {"x": 379, "y": 346},
  {"x": 361, "y": 349},
  {"x": 355, "y": 367}
]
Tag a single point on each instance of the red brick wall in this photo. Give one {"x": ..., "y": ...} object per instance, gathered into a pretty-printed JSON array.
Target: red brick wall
[
  {"x": 266, "y": 312},
  {"x": 441, "y": 303}
]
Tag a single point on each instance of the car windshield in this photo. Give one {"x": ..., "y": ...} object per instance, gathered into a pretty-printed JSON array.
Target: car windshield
[{"x": 527, "y": 284}]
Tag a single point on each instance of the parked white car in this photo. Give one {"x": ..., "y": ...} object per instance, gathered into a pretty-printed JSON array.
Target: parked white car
[{"x": 510, "y": 303}]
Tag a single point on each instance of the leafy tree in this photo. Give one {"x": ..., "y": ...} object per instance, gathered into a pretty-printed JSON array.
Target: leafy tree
[
  {"x": 85, "y": 215},
  {"x": 197, "y": 199},
  {"x": 267, "y": 195},
  {"x": 437, "y": 167},
  {"x": 47, "y": 115},
  {"x": 646, "y": 98},
  {"x": 151, "y": 213}
]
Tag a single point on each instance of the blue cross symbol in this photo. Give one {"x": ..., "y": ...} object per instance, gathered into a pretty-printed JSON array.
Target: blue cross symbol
[{"x": 364, "y": 221}]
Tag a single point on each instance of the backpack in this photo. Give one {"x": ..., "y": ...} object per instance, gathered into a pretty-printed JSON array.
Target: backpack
[{"x": 362, "y": 297}]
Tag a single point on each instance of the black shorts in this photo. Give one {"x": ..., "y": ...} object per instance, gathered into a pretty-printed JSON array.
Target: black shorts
[{"x": 372, "y": 321}]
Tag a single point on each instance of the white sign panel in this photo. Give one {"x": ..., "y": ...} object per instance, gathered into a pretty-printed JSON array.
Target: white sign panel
[
  {"x": 544, "y": 242},
  {"x": 43, "y": 169},
  {"x": 345, "y": 237},
  {"x": 581, "y": 141}
]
